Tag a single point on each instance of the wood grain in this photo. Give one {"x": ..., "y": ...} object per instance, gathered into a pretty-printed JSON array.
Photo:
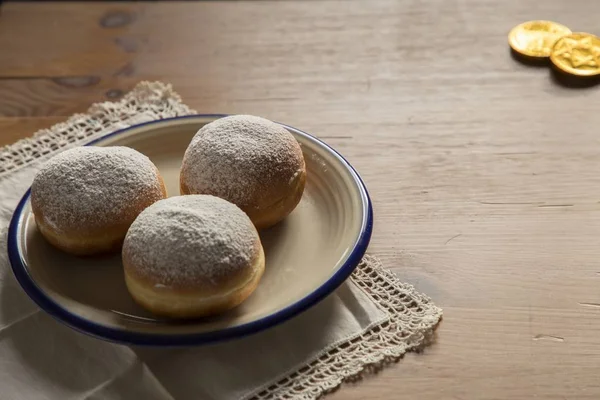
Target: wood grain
[{"x": 483, "y": 171}]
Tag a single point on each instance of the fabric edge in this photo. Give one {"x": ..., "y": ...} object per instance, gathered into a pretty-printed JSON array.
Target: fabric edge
[
  {"x": 157, "y": 99},
  {"x": 370, "y": 350}
]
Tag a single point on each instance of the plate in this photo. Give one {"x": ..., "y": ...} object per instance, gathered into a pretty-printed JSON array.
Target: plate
[{"x": 308, "y": 255}]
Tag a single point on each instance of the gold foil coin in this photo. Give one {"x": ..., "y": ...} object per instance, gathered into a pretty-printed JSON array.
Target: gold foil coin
[
  {"x": 536, "y": 38},
  {"x": 577, "y": 54}
]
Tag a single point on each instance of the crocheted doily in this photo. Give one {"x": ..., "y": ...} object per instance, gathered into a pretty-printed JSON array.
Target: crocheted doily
[
  {"x": 412, "y": 316},
  {"x": 148, "y": 101}
]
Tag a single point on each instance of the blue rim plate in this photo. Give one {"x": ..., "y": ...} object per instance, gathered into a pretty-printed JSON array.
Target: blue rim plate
[{"x": 335, "y": 195}]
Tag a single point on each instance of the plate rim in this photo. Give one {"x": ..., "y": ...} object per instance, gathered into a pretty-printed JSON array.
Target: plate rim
[{"x": 123, "y": 336}]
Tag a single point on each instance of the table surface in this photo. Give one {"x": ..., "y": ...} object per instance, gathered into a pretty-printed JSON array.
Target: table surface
[{"x": 484, "y": 172}]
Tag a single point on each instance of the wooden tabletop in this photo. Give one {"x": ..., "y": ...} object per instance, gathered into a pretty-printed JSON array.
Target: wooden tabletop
[{"x": 484, "y": 172}]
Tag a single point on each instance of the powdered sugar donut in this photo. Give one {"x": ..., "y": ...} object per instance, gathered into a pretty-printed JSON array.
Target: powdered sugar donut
[
  {"x": 191, "y": 256},
  {"x": 250, "y": 161},
  {"x": 84, "y": 199}
]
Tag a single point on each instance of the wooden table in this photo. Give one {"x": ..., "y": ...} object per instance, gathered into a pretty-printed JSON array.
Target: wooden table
[{"x": 484, "y": 172}]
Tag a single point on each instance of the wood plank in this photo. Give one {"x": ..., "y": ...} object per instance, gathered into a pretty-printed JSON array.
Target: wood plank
[
  {"x": 14, "y": 129},
  {"x": 60, "y": 39},
  {"x": 516, "y": 353}
]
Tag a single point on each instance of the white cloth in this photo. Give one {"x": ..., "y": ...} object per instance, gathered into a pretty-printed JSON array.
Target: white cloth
[{"x": 371, "y": 319}]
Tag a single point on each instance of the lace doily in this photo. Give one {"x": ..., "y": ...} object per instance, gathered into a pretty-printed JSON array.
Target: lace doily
[
  {"x": 412, "y": 320},
  {"x": 148, "y": 101},
  {"x": 412, "y": 316}
]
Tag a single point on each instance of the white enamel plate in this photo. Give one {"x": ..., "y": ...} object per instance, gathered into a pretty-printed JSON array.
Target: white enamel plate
[{"x": 308, "y": 255}]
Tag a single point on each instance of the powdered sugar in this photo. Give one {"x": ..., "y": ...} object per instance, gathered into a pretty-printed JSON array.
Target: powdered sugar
[
  {"x": 241, "y": 159},
  {"x": 88, "y": 187},
  {"x": 191, "y": 239}
]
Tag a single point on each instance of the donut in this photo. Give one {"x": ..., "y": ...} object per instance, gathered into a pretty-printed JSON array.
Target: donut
[
  {"x": 192, "y": 256},
  {"x": 249, "y": 161},
  {"x": 85, "y": 198}
]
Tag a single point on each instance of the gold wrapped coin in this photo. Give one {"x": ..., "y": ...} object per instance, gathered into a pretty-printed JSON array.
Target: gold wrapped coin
[
  {"x": 577, "y": 54},
  {"x": 536, "y": 38}
]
